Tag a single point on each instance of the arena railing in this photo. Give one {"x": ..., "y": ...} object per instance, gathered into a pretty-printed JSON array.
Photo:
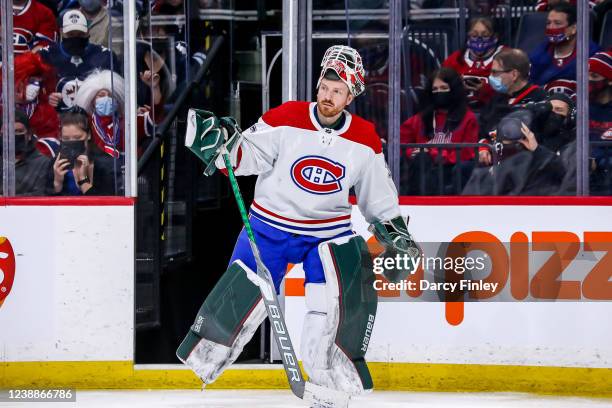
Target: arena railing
[
  {"x": 163, "y": 227},
  {"x": 600, "y": 167},
  {"x": 458, "y": 167}
]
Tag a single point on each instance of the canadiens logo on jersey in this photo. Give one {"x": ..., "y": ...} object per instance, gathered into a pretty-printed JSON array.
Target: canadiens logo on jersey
[
  {"x": 7, "y": 268},
  {"x": 317, "y": 175},
  {"x": 22, "y": 40}
]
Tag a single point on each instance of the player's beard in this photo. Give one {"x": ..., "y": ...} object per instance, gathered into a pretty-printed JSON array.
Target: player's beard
[{"x": 328, "y": 109}]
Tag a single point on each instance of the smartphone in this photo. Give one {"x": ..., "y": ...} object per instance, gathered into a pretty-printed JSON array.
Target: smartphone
[
  {"x": 70, "y": 151},
  {"x": 471, "y": 81}
]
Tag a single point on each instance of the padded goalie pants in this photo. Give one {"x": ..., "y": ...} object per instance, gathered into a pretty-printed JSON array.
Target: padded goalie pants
[{"x": 279, "y": 248}]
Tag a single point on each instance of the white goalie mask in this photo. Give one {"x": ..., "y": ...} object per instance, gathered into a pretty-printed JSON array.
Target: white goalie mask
[{"x": 346, "y": 62}]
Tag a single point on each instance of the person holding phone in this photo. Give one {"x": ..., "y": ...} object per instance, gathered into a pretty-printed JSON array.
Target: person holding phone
[
  {"x": 474, "y": 61},
  {"x": 78, "y": 168}
]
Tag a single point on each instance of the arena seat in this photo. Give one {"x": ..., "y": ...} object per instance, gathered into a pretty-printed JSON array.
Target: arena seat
[
  {"x": 530, "y": 32},
  {"x": 605, "y": 39}
]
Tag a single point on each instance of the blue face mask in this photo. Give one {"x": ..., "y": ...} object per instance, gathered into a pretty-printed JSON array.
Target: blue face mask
[
  {"x": 481, "y": 45},
  {"x": 497, "y": 84},
  {"x": 105, "y": 106}
]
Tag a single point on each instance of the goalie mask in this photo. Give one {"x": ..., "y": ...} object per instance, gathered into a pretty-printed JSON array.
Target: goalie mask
[{"x": 346, "y": 62}]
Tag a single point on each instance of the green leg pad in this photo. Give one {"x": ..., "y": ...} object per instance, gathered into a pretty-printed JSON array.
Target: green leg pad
[
  {"x": 224, "y": 311},
  {"x": 357, "y": 302}
]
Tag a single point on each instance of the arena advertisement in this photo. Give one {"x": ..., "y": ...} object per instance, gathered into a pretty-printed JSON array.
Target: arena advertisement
[
  {"x": 66, "y": 280},
  {"x": 548, "y": 258}
]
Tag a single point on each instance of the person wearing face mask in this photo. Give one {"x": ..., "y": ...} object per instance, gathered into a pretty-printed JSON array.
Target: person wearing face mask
[
  {"x": 510, "y": 80},
  {"x": 74, "y": 58},
  {"x": 34, "y": 81},
  {"x": 447, "y": 119},
  {"x": 79, "y": 169},
  {"x": 475, "y": 60},
  {"x": 557, "y": 127},
  {"x": 31, "y": 167},
  {"x": 98, "y": 19},
  {"x": 600, "y": 119},
  {"x": 545, "y": 5},
  {"x": 102, "y": 96},
  {"x": 34, "y": 26},
  {"x": 522, "y": 165},
  {"x": 553, "y": 63}
]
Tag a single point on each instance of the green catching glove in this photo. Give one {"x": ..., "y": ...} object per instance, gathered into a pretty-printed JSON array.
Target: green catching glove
[
  {"x": 204, "y": 137},
  {"x": 206, "y": 134},
  {"x": 396, "y": 239}
]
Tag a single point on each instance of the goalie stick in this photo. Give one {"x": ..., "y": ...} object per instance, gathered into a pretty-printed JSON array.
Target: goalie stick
[{"x": 305, "y": 390}]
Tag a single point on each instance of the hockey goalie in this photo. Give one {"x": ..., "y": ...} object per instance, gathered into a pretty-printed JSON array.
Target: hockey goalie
[{"x": 307, "y": 157}]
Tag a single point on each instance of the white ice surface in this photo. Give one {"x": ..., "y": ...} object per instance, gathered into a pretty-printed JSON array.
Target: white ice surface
[{"x": 283, "y": 399}]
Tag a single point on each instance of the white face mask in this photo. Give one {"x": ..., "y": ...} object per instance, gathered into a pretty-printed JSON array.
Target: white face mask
[{"x": 31, "y": 92}]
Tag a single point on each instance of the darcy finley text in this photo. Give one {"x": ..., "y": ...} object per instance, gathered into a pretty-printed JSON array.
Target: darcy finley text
[{"x": 462, "y": 285}]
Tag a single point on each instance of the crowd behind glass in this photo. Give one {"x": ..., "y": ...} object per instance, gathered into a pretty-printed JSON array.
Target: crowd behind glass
[{"x": 516, "y": 109}]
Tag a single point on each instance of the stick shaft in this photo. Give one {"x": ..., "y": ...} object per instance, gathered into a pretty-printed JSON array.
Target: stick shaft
[{"x": 277, "y": 320}]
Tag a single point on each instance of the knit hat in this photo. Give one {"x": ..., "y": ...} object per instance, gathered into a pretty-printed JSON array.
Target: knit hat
[
  {"x": 563, "y": 98},
  {"x": 601, "y": 63}
]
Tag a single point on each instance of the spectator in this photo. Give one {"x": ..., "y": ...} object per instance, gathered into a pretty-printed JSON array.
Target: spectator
[
  {"x": 524, "y": 167},
  {"x": 510, "y": 79},
  {"x": 545, "y": 5},
  {"x": 31, "y": 167},
  {"x": 98, "y": 19},
  {"x": 52, "y": 5},
  {"x": 34, "y": 82},
  {"x": 169, "y": 7},
  {"x": 33, "y": 26},
  {"x": 79, "y": 168},
  {"x": 448, "y": 119},
  {"x": 553, "y": 63},
  {"x": 600, "y": 123},
  {"x": 558, "y": 127},
  {"x": 475, "y": 60},
  {"x": 102, "y": 96},
  {"x": 75, "y": 58},
  {"x": 151, "y": 67},
  {"x": 486, "y": 7},
  {"x": 554, "y": 121}
]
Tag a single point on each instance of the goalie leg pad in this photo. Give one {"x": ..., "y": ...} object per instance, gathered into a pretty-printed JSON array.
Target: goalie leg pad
[
  {"x": 227, "y": 320},
  {"x": 317, "y": 337},
  {"x": 350, "y": 310}
]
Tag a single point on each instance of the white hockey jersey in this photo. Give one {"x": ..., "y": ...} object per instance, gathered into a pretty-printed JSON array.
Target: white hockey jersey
[{"x": 306, "y": 171}]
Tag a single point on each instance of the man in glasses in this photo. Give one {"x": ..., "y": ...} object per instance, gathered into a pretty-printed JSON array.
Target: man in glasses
[{"x": 509, "y": 78}]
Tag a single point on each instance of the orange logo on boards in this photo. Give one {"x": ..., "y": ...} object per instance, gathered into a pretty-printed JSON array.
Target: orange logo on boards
[
  {"x": 7, "y": 268},
  {"x": 510, "y": 266}
]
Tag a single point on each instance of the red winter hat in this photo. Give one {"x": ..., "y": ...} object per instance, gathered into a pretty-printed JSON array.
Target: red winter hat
[{"x": 601, "y": 63}]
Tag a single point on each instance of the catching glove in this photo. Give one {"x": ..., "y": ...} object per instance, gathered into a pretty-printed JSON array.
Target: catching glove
[
  {"x": 396, "y": 239},
  {"x": 206, "y": 134},
  {"x": 204, "y": 137}
]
